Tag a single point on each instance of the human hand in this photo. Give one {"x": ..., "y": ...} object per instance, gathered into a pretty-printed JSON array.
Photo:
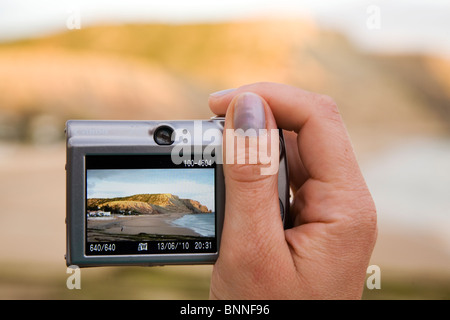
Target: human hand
[{"x": 326, "y": 253}]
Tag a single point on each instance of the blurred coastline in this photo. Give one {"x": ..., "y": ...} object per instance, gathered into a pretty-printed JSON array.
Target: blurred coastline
[{"x": 396, "y": 108}]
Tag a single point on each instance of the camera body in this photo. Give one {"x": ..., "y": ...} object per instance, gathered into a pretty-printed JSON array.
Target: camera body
[{"x": 148, "y": 192}]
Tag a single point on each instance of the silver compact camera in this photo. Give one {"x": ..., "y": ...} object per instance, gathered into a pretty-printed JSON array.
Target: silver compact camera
[{"x": 148, "y": 192}]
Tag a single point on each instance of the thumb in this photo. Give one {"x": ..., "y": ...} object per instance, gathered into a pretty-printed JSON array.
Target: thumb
[{"x": 251, "y": 159}]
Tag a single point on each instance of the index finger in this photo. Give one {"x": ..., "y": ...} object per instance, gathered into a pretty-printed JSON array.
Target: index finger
[{"x": 323, "y": 143}]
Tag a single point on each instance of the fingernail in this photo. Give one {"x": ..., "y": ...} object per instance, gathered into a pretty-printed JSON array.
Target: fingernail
[
  {"x": 221, "y": 92},
  {"x": 249, "y": 114}
]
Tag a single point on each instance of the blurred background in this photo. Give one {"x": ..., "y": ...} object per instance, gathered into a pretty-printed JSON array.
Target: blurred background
[{"x": 385, "y": 63}]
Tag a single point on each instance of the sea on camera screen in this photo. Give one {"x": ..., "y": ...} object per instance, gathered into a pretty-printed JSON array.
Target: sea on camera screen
[{"x": 144, "y": 206}]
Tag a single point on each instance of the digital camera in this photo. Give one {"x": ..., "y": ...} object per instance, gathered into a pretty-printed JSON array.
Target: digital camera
[{"x": 148, "y": 192}]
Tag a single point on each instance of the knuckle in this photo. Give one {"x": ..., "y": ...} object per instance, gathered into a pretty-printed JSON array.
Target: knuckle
[
  {"x": 358, "y": 219},
  {"x": 365, "y": 223},
  {"x": 328, "y": 107},
  {"x": 243, "y": 172}
]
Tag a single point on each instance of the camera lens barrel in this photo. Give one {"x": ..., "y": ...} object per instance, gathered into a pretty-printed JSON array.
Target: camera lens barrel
[{"x": 163, "y": 135}]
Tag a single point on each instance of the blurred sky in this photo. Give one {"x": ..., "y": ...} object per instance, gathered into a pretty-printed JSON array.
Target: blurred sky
[{"x": 393, "y": 25}]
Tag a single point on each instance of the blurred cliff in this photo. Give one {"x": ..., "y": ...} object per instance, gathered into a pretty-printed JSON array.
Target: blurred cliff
[
  {"x": 167, "y": 71},
  {"x": 158, "y": 71}
]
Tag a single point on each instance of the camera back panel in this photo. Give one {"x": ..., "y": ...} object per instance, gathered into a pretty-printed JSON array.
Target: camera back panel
[{"x": 132, "y": 200}]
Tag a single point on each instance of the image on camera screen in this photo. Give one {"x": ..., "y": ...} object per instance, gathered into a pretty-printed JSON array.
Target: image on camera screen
[{"x": 148, "y": 205}]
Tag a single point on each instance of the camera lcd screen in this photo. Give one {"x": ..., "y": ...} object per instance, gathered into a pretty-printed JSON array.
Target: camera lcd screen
[{"x": 146, "y": 204}]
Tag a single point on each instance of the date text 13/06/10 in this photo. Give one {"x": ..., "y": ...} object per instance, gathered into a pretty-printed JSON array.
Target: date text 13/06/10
[{"x": 173, "y": 245}]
